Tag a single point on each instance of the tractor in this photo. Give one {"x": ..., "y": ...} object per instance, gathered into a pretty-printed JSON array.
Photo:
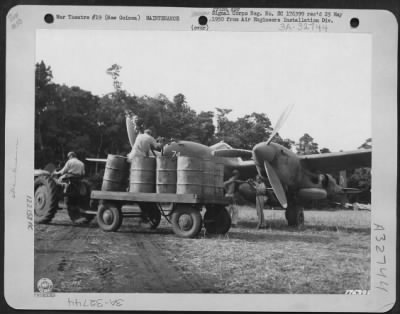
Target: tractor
[{"x": 52, "y": 195}]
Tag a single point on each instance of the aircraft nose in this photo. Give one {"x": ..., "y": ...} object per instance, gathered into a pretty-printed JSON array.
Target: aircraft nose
[{"x": 263, "y": 152}]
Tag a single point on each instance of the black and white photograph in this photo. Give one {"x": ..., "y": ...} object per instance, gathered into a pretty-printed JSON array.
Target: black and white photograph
[
  {"x": 201, "y": 163},
  {"x": 140, "y": 112}
]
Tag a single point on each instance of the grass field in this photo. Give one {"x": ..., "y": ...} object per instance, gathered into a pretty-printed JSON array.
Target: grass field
[{"x": 330, "y": 254}]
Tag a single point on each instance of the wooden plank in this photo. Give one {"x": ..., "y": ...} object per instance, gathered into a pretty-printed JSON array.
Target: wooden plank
[
  {"x": 155, "y": 197},
  {"x": 145, "y": 197}
]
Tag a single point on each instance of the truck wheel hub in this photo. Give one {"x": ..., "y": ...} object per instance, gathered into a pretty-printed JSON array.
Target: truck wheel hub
[
  {"x": 185, "y": 222},
  {"x": 108, "y": 217}
]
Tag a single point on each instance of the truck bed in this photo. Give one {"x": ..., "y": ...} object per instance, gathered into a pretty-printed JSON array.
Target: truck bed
[{"x": 157, "y": 197}]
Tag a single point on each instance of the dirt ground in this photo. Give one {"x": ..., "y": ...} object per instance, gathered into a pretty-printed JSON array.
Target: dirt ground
[{"x": 329, "y": 255}]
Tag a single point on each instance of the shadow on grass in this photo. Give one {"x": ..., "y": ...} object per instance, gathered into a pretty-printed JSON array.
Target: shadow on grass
[
  {"x": 278, "y": 237},
  {"x": 362, "y": 230},
  {"x": 280, "y": 225}
]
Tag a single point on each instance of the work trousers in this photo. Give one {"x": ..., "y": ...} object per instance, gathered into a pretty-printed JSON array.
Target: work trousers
[
  {"x": 260, "y": 209},
  {"x": 232, "y": 209}
]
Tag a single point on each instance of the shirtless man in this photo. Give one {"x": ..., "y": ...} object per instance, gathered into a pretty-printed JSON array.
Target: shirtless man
[{"x": 261, "y": 192}]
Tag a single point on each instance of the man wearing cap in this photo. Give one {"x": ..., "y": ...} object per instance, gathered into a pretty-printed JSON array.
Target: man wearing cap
[
  {"x": 144, "y": 143},
  {"x": 231, "y": 188},
  {"x": 73, "y": 168}
]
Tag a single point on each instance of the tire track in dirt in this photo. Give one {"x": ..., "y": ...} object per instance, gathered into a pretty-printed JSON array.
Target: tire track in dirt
[{"x": 86, "y": 259}]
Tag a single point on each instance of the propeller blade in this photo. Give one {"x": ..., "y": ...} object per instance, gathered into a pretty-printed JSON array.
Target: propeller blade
[
  {"x": 276, "y": 184},
  {"x": 130, "y": 128},
  {"x": 280, "y": 122}
]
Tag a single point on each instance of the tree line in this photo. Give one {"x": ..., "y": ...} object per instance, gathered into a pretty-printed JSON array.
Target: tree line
[{"x": 69, "y": 118}]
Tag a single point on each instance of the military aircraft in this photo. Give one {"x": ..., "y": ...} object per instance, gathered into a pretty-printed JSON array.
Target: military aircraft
[{"x": 293, "y": 178}]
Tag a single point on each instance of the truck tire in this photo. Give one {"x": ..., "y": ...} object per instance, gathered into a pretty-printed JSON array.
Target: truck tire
[
  {"x": 109, "y": 217},
  {"x": 46, "y": 202},
  {"x": 186, "y": 221},
  {"x": 217, "y": 220},
  {"x": 295, "y": 216},
  {"x": 224, "y": 221}
]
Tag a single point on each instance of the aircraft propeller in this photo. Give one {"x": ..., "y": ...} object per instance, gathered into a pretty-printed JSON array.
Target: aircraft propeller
[
  {"x": 244, "y": 153},
  {"x": 268, "y": 155},
  {"x": 263, "y": 154},
  {"x": 280, "y": 122},
  {"x": 131, "y": 130},
  {"x": 276, "y": 184}
]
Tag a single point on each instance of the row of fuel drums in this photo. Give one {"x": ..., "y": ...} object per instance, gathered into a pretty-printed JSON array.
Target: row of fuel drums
[{"x": 180, "y": 175}]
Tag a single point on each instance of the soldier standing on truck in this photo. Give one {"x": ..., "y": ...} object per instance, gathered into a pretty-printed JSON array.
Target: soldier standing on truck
[
  {"x": 144, "y": 144},
  {"x": 73, "y": 168}
]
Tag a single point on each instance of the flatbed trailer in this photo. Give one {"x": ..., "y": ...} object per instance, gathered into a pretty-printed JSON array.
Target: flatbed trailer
[{"x": 184, "y": 213}]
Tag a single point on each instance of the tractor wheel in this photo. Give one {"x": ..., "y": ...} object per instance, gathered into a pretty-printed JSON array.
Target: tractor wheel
[
  {"x": 295, "y": 216},
  {"x": 151, "y": 214},
  {"x": 186, "y": 221},
  {"x": 46, "y": 202},
  {"x": 77, "y": 202},
  {"x": 217, "y": 220},
  {"x": 109, "y": 217}
]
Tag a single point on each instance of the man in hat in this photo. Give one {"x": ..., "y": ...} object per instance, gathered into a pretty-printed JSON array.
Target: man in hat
[
  {"x": 73, "y": 168},
  {"x": 231, "y": 188}
]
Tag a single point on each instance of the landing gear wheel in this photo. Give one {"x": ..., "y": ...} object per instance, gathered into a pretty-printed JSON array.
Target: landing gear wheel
[
  {"x": 217, "y": 220},
  {"x": 186, "y": 221},
  {"x": 109, "y": 217},
  {"x": 46, "y": 203},
  {"x": 224, "y": 221},
  {"x": 295, "y": 217},
  {"x": 151, "y": 214}
]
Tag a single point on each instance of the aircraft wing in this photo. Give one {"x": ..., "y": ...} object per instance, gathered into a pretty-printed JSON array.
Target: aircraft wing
[
  {"x": 351, "y": 190},
  {"x": 234, "y": 152},
  {"x": 337, "y": 161},
  {"x": 247, "y": 168},
  {"x": 97, "y": 159}
]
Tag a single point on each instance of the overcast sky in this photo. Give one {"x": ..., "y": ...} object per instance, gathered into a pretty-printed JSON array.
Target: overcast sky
[{"x": 326, "y": 76}]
